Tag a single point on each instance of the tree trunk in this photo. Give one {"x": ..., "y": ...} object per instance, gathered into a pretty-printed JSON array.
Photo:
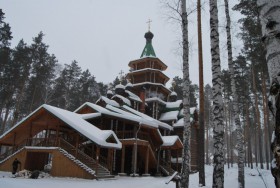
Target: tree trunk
[
  {"x": 269, "y": 14},
  {"x": 257, "y": 112},
  {"x": 266, "y": 144},
  {"x": 250, "y": 157},
  {"x": 207, "y": 137},
  {"x": 218, "y": 130},
  {"x": 184, "y": 183},
  {"x": 226, "y": 133},
  {"x": 240, "y": 138},
  {"x": 201, "y": 139}
]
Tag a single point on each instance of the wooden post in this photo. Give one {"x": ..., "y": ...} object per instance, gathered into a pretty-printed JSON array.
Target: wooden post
[
  {"x": 123, "y": 159},
  {"x": 14, "y": 142},
  {"x": 30, "y": 135},
  {"x": 177, "y": 160},
  {"x": 46, "y": 135},
  {"x": 97, "y": 160},
  {"x": 77, "y": 145},
  {"x": 147, "y": 162},
  {"x": 110, "y": 160}
]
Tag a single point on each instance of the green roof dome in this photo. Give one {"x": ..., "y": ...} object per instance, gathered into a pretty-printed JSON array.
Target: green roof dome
[{"x": 148, "y": 50}]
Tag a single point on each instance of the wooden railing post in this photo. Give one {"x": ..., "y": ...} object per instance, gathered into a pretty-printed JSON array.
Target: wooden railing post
[
  {"x": 123, "y": 159},
  {"x": 97, "y": 160},
  {"x": 147, "y": 161}
]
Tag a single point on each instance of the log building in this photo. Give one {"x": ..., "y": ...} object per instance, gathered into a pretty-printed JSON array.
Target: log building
[{"x": 135, "y": 130}]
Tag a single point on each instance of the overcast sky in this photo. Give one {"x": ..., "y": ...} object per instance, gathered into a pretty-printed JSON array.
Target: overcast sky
[{"x": 103, "y": 36}]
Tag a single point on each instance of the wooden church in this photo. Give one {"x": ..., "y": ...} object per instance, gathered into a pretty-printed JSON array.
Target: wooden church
[{"x": 135, "y": 130}]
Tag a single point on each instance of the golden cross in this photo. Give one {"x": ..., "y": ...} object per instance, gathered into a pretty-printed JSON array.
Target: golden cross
[{"x": 149, "y": 24}]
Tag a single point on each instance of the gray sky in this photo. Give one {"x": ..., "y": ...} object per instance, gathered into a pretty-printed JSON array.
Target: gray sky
[{"x": 103, "y": 36}]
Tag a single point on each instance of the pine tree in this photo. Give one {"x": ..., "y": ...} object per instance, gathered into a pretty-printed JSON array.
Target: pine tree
[
  {"x": 22, "y": 62},
  {"x": 42, "y": 74},
  {"x": 269, "y": 15},
  {"x": 240, "y": 138},
  {"x": 6, "y": 71},
  {"x": 201, "y": 130},
  {"x": 218, "y": 174}
]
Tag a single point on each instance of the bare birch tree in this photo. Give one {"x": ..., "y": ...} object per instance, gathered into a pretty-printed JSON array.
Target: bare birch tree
[
  {"x": 218, "y": 174},
  {"x": 269, "y": 15},
  {"x": 186, "y": 100}
]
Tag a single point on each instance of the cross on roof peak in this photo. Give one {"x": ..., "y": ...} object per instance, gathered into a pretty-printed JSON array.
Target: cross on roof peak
[{"x": 149, "y": 24}]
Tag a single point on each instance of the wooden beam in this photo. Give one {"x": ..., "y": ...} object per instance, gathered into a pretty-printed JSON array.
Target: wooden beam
[
  {"x": 123, "y": 159},
  {"x": 97, "y": 160},
  {"x": 147, "y": 161},
  {"x": 77, "y": 145}
]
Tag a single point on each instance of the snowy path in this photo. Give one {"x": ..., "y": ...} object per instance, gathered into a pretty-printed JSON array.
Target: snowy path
[{"x": 252, "y": 180}]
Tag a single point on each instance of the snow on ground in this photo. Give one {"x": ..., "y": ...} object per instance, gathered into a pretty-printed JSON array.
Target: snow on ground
[{"x": 252, "y": 180}]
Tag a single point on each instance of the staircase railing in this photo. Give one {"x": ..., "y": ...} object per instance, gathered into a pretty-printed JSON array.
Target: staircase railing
[
  {"x": 166, "y": 166},
  {"x": 78, "y": 154}
]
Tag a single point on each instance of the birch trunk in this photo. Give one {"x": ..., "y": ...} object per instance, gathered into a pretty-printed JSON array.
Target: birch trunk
[
  {"x": 269, "y": 15},
  {"x": 184, "y": 183},
  {"x": 218, "y": 130},
  {"x": 240, "y": 139}
]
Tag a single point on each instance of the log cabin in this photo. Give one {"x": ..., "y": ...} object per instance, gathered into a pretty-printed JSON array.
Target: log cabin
[{"x": 135, "y": 130}]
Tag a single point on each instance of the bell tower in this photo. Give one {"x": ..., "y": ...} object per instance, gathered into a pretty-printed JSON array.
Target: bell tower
[{"x": 148, "y": 79}]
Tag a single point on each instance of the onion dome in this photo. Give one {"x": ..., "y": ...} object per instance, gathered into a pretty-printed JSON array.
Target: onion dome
[{"x": 148, "y": 50}]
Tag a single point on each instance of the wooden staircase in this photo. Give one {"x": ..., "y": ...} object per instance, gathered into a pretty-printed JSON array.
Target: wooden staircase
[
  {"x": 77, "y": 156},
  {"x": 84, "y": 161},
  {"x": 166, "y": 168}
]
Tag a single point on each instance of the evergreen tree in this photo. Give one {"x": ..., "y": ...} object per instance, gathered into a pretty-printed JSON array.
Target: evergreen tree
[
  {"x": 240, "y": 149},
  {"x": 42, "y": 74},
  {"x": 178, "y": 88},
  {"x": 103, "y": 88},
  {"x": 6, "y": 71},
  {"x": 90, "y": 91},
  {"x": 22, "y": 63}
]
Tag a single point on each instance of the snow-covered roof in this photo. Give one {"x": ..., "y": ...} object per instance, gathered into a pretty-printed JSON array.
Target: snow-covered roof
[
  {"x": 108, "y": 101},
  {"x": 125, "y": 100},
  {"x": 133, "y": 116},
  {"x": 180, "y": 123},
  {"x": 155, "y": 99},
  {"x": 148, "y": 69},
  {"x": 90, "y": 115},
  {"x": 128, "y": 85},
  {"x": 169, "y": 116},
  {"x": 161, "y": 124},
  {"x": 116, "y": 112},
  {"x": 141, "y": 59},
  {"x": 151, "y": 83},
  {"x": 76, "y": 121},
  {"x": 120, "y": 86},
  {"x": 110, "y": 92},
  {"x": 170, "y": 140},
  {"x": 175, "y": 104},
  {"x": 173, "y": 93},
  {"x": 132, "y": 96}
]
